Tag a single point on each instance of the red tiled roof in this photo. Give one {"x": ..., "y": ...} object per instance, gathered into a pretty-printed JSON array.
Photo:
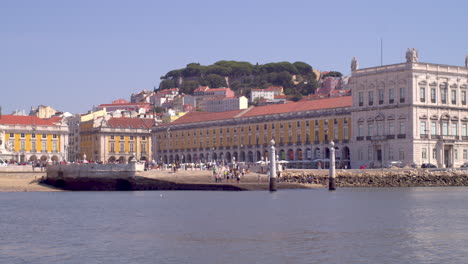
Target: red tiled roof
[
  {"x": 130, "y": 104},
  {"x": 128, "y": 122},
  {"x": 273, "y": 88},
  {"x": 25, "y": 120},
  {"x": 194, "y": 117},
  {"x": 336, "y": 102},
  {"x": 201, "y": 89}
]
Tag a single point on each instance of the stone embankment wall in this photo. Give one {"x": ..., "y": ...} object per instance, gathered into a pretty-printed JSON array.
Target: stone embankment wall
[
  {"x": 98, "y": 171},
  {"x": 381, "y": 178}
]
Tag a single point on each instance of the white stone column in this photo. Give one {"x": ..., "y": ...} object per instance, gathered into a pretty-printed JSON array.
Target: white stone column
[
  {"x": 331, "y": 174},
  {"x": 272, "y": 167}
]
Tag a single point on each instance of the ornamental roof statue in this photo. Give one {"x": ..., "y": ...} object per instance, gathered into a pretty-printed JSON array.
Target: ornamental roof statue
[
  {"x": 411, "y": 55},
  {"x": 466, "y": 61},
  {"x": 354, "y": 64}
]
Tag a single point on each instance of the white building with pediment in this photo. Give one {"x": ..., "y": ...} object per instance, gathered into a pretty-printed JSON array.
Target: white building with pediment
[{"x": 411, "y": 112}]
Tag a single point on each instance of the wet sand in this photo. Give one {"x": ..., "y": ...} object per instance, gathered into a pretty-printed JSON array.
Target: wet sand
[{"x": 23, "y": 183}]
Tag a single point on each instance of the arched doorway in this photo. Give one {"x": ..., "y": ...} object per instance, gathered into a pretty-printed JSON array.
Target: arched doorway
[
  {"x": 122, "y": 159},
  {"x": 299, "y": 154},
  {"x": 259, "y": 155},
  {"x": 346, "y": 158},
  {"x": 195, "y": 158},
  {"x": 317, "y": 153},
  {"x": 282, "y": 154},
  {"x": 143, "y": 158},
  {"x": 228, "y": 156},
  {"x": 308, "y": 155},
  {"x": 242, "y": 156},
  {"x": 111, "y": 159},
  {"x": 235, "y": 156},
  {"x": 250, "y": 157},
  {"x": 33, "y": 158},
  {"x": 215, "y": 157},
  {"x": 165, "y": 161},
  {"x": 202, "y": 158},
  {"x": 44, "y": 158},
  {"x": 291, "y": 154},
  {"x": 189, "y": 158}
]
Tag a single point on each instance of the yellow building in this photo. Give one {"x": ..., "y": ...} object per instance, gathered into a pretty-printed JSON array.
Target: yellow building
[
  {"x": 29, "y": 138},
  {"x": 116, "y": 139},
  {"x": 302, "y": 132}
]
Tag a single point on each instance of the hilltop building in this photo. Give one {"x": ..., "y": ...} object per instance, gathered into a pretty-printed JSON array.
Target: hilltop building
[{"x": 42, "y": 111}]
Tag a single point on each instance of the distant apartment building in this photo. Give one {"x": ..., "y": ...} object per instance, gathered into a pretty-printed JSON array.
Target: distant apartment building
[
  {"x": 181, "y": 102},
  {"x": 42, "y": 111},
  {"x": 223, "y": 104},
  {"x": 267, "y": 94},
  {"x": 206, "y": 92},
  {"x": 29, "y": 138},
  {"x": 123, "y": 104},
  {"x": 328, "y": 85},
  {"x": 163, "y": 97},
  {"x": 141, "y": 97}
]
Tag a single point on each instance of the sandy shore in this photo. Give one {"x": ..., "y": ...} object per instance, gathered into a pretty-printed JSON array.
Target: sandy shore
[{"x": 28, "y": 182}]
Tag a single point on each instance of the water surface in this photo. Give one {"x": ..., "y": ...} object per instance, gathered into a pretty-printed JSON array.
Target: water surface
[{"x": 351, "y": 225}]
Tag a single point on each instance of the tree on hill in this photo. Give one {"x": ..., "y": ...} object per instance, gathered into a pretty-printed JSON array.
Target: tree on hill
[
  {"x": 189, "y": 86},
  {"x": 332, "y": 74},
  {"x": 213, "y": 81}
]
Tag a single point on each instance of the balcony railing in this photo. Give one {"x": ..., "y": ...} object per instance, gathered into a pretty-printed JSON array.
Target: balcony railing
[
  {"x": 368, "y": 137},
  {"x": 401, "y": 136},
  {"x": 359, "y": 138},
  {"x": 424, "y": 136},
  {"x": 390, "y": 136}
]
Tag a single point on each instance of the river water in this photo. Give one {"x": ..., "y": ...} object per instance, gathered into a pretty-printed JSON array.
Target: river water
[{"x": 350, "y": 225}]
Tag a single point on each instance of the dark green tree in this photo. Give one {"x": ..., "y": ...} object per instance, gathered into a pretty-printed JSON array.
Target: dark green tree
[
  {"x": 332, "y": 74},
  {"x": 213, "y": 81},
  {"x": 189, "y": 86}
]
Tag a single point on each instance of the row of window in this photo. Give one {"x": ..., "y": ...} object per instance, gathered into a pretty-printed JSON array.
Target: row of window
[
  {"x": 22, "y": 146},
  {"x": 123, "y": 137},
  {"x": 131, "y": 147},
  {"x": 33, "y": 135},
  {"x": 250, "y": 128},
  {"x": 371, "y": 152},
  {"x": 256, "y": 139},
  {"x": 381, "y": 96},
  {"x": 444, "y": 125},
  {"x": 378, "y": 130},
  {"x": 443, "y": 96}
]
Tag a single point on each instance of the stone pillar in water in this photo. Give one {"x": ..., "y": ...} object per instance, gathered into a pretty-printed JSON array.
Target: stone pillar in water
[
  {"x": 331, "y": 173},
  {"x": 272, "y": 167}
]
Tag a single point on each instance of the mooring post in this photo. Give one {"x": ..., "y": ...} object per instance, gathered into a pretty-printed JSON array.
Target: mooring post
[
  {"x": 331, "y": 173},
  {"x": 272, "y": 167}
]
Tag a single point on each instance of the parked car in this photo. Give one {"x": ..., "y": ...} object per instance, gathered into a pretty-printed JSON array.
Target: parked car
[
  {"x": 464, "y": 165},
  {"x": 428, "y": 165},
  {"x": 395, "y": 163}
]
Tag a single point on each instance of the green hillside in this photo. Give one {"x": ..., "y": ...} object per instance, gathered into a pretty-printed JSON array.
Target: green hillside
[{"x": 297, "y": 78}]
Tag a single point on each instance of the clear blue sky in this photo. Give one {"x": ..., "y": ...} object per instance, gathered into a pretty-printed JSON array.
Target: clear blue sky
[{"x": 72, "y": 55}]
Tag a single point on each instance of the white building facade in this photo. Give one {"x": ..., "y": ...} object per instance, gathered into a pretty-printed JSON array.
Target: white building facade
[{"x": 410, "y": 112}]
